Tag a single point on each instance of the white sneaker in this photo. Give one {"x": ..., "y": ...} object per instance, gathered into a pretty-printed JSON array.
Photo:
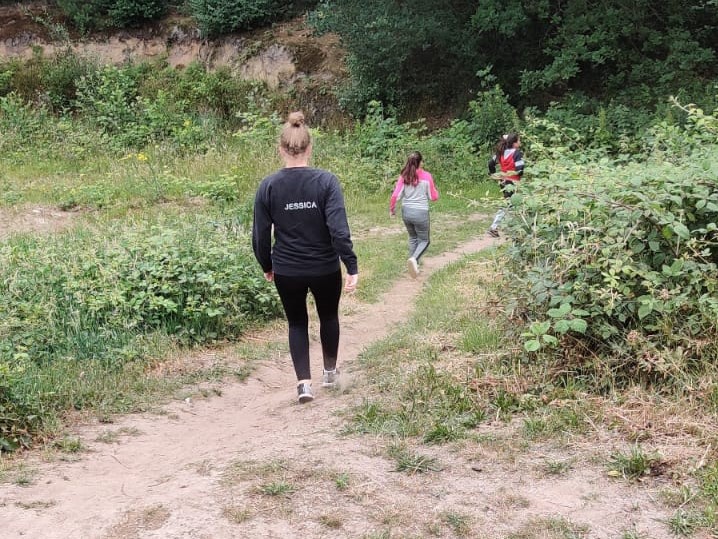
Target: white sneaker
[
  {"x": 413, "y": 267},
  {"x": 304, "y": 392},
  {"x": 330, "y": 378}
]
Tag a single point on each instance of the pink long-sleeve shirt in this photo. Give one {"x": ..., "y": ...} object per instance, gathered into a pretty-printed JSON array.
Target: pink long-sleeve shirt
[{"x": 414, "y": 196}]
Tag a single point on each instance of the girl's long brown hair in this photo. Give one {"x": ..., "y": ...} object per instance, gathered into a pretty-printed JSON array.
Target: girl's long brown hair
[
  {"x": 506, "y": 143},
  {"x": 408, "y": 173}
]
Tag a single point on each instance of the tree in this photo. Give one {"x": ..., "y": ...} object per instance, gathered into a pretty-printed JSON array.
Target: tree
[{"x": 420, "y": 53}]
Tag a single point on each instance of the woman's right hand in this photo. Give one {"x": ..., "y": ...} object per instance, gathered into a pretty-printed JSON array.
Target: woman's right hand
[{"x": 350, "y": 283}]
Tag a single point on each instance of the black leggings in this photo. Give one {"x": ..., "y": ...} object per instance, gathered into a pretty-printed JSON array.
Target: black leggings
[{"x": 326, "y": 289}]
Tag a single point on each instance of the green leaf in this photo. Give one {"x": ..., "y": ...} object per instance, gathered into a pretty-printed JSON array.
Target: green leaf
[
  {"x": 562, "y": 311},
  {"x": 562, "y": 326},
  {"x": 644, "y": 310},
  {"x": 579, "y": 325},
  {"x": 681, "y": 230},
  {"x": 550, "y": 339},
  {"x": 540, "y": 328},
  {"x": 532, "y": 346}
]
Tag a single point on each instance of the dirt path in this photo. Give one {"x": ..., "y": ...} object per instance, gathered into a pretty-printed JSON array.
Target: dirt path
[{"x": 253, "y": 463}]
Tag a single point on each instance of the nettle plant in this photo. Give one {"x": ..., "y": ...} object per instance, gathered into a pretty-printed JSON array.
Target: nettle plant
[{"x": 619, "y": 263}]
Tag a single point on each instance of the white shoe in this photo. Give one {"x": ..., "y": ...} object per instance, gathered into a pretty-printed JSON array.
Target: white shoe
[
  {"x": 413, "y": 267},
  {"x": 304, "y": 391},
  {"x": 330, "y": 378}
]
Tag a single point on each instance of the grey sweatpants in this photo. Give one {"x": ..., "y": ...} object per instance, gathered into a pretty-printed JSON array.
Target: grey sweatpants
[{"x": 417, "y": 225}]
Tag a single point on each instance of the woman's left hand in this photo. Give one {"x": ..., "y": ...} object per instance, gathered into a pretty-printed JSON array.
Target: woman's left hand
[
  {"x": 350, "y": 283},
  {"x": 269, "y": 275}
]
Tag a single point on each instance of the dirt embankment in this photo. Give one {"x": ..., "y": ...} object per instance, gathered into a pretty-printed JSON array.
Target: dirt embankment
[{"x": 285, "y": 57}]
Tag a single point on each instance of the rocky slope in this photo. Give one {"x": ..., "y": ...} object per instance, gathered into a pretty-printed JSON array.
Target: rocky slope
[{"x": 287, "y": 57}]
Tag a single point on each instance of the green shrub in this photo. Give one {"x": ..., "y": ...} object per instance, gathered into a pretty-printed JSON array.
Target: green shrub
[
  {"x": 619, "y": 264},
  {"x": 220, "y": 17},
  {"x": 187, "y": 280},
  {"x": 85, "y": 15},
  {"x": 124, "y": 13},
  {"x": 20, "y": 121},
  {"x": 20, "y": 412},
  {"x": 490, "y": 116},
  {"x": 61, "y": 72},
  {"x": 88, "y": 15}
]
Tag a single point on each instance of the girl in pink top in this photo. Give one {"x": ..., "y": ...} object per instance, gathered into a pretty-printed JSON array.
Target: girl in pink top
[{"x": 415, "y": 188}]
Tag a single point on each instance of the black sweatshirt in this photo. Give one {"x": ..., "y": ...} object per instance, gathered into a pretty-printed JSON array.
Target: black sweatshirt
[{"x": 311, "y": 233}]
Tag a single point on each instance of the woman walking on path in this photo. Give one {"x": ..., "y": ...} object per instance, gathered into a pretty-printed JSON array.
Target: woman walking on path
[
  {"x": 415, "y": 188},
  {"x": 305, "y": 206},
  {"x": 511, "y": 163}
]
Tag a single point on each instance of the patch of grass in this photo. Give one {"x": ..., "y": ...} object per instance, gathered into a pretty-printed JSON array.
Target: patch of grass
[
  {"x": 372, "y": 417},
  {"x": 23, "y": 476},
  {"x": 550, "y": 528},
  {"x": 480, "y": 337},
  {"x": 280, "y": 489},
  {"x": 341, "y": 480},
  {"x": 685, "y": 523},
  {"x": 556, "y": 467},
  {"x": 113, "y": 436},
  {"x": 108, "y": 437},
  {"x": 69, "y": 444},
  {"x": 38, "y": 504},
  {"x": 412, "y": 463},
  {"x": 459, "y": 524},
  {"x": 678, "y": 497},
  {"x": 442, "y": 433},
  {"x": 236, "y": 515},
  {"x": 377, "y": 535},
  {"x": 632, "y": 534},
  {"x": 632, "y": 465}
]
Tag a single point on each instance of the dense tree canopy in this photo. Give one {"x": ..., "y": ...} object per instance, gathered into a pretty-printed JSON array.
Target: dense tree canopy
[{"x": 537, "y": 50}]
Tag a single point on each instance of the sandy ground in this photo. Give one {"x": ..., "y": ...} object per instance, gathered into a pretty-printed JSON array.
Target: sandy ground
[
  {"x": 33, "y": 218},
  {"x": 251, "y": 462}
]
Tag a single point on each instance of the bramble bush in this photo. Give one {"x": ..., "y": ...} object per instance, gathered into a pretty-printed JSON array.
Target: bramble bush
[
  {"x": 186, "y": 280},
  {"x": 617, "y": 264},
  {"x": 192, "y": 282}
]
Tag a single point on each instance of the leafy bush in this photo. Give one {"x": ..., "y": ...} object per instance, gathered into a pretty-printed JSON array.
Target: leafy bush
[
  {"x": 124, "y": 13},
  {"x": 383, "y": 143},
  {"x": 87, "y": 15},
  {"x": 618, "y": 264},
  {"x": 20, "y": 412},
  {"x": 111, "y": 99},
  {"x": 188, "y": 280},
  {"x": 220, "y": 17},
  {"x": 490, "y": 116}
]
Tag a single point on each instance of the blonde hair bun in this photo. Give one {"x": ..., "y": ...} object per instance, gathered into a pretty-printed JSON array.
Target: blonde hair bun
[{"x": 296, "y": 119}]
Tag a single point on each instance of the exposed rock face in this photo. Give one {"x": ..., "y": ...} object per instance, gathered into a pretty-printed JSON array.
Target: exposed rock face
[{"x": 286, "y": 57}]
